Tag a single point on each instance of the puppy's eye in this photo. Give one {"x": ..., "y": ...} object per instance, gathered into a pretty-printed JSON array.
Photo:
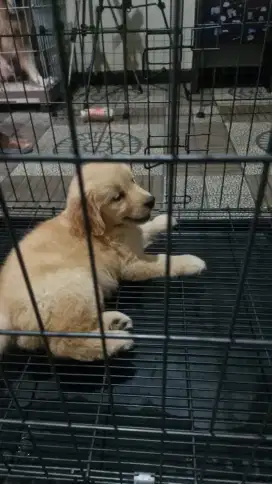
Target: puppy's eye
[{"x": 118, "y": 197}]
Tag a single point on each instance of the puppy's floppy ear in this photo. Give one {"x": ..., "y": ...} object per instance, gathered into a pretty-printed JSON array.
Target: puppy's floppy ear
[{"x": 75, "y": 215}]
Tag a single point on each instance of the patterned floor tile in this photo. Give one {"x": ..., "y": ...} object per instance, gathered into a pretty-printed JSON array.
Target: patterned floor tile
[
  {"x": 221, "y": 169},
  {"x": 253, "y": 182},
  {"x": 6, "y": 168},
  {"x": 35, "y": 127},
  {"x": 192, "y": 188},
  {"x": 123, "y": 139},
  {"x": 246, "y": 113},
  {"x": 31, "y": 126},
  {"x": 60, "y": 143},
  {"x": 250, "y": 140},
  {"x": 230, "y": 191},
  {"x": 146, "y": 132},
  {"x": 189, "y": 169},
  {"x": 13, "y": 124},
  {"x": 211, "y": 138},
  {"x": 244, "y": 136},
  {"x": 239, "y": 96},
  {"x": 35, "y": 189},
  {"x": 201, "y": 114}
]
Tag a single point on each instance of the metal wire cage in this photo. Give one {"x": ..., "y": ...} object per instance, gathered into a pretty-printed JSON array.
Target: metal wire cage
[
  {"x": 191, "y": 402},
  {"x": 34, "y": 72}
]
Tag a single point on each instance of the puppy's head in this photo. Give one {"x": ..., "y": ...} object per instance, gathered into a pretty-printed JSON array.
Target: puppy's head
[{"x": 112, "y": 197}]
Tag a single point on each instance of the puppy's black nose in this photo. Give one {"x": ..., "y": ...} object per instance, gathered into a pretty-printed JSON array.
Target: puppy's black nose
[{"x": 150, "y": 202}]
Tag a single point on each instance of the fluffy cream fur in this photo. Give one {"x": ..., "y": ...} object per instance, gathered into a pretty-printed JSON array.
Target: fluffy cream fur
[{"x": 57, "y": 261}]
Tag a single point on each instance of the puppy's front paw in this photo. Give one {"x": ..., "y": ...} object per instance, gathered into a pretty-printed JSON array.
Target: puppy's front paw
[
  {"x": 193, "y": 265},
  {"x": 187, "y": 265},
  {"x": 115, "y": 346},
  {"x": 116, "y": 320},
  {"x": 161, "y": 221},
  {"x": 126, "y": 344}
]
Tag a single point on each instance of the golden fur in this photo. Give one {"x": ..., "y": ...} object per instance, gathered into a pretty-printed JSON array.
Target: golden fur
[{"x": 57, "y": 261}]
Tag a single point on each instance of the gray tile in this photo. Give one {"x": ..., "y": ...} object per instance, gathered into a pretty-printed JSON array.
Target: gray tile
[
  {"x": 58, "y": 140},
  {"x": 260, "y": 117},
  {"x": 205, "y": 168},
  {"x": 221, "y": 169},
  {"x": 17, "y": 117},
  {"x": 6, "y": 168},
  {"x": 152, "y": 93},
  {"x": 240, "y": 95},
  {"x": 214, "y": 143},
  {"x": 26, "y": 125},
  {"x": 35, "y": 189},
  {"x": 45, "y": 169},
  {"x": 193, "y": 187},
  {"x": 190, "y": 168},
  {"x": 253, "y": 182},
  {"x": 134, "y": 140},
  {"x": 210, "y": 138},
  {"x": 15, "y": 123},
  {"x": 209, "y": 95},
  {"x": 210, "y": 111},
  {"x": 63, "y": 145},
  {"x": 36, "y": 127},
  {"x": 97, "y": 94},
  {"x": 3, "y": 117},
  {"x": 230, "y": 191},
  {"x": 56, "y": 188},
  {"x": 18, "y": 190},
  {"x": 245, "y": 137},
  {"x": 246, "y": 113}
]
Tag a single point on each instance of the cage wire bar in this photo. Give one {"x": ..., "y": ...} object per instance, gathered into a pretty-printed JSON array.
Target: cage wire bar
[
  {"x": 31, "y": 22},
  {"x": 192, "y": 401}
]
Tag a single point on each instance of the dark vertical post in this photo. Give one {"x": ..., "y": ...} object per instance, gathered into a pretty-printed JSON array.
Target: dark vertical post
[
  {"x": 176, "y": 23},
  {"x": 173, "y": 149}
]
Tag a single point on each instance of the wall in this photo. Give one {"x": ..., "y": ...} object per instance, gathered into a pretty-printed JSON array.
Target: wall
[{"x": 139, "y": 18}]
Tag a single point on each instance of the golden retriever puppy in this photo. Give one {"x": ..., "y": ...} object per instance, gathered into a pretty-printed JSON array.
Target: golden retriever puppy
[{"x": 57, "y": 261}]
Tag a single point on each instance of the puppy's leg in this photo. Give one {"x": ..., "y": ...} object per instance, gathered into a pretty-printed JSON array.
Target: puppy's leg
[
  {"x": 151, "y": 266},
  {"x": 88, "y": 349},
  {"x": 6, "y": 71},
  {"x": 156, "y": 226},
  {"x": 27, "y": 63},
  {"x": 4, "y": 326},
  {"x": 117, "y": 324},
  {"x": 115, "y": 320}
]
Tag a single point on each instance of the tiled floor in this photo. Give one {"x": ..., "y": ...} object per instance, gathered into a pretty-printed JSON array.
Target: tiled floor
[{"x": 234, "y": 122}]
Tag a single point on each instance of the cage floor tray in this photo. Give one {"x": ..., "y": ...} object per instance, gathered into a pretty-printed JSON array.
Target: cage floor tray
[
  {"x": 164, "y": 411},
  {"x": 27, "y": 92}
]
